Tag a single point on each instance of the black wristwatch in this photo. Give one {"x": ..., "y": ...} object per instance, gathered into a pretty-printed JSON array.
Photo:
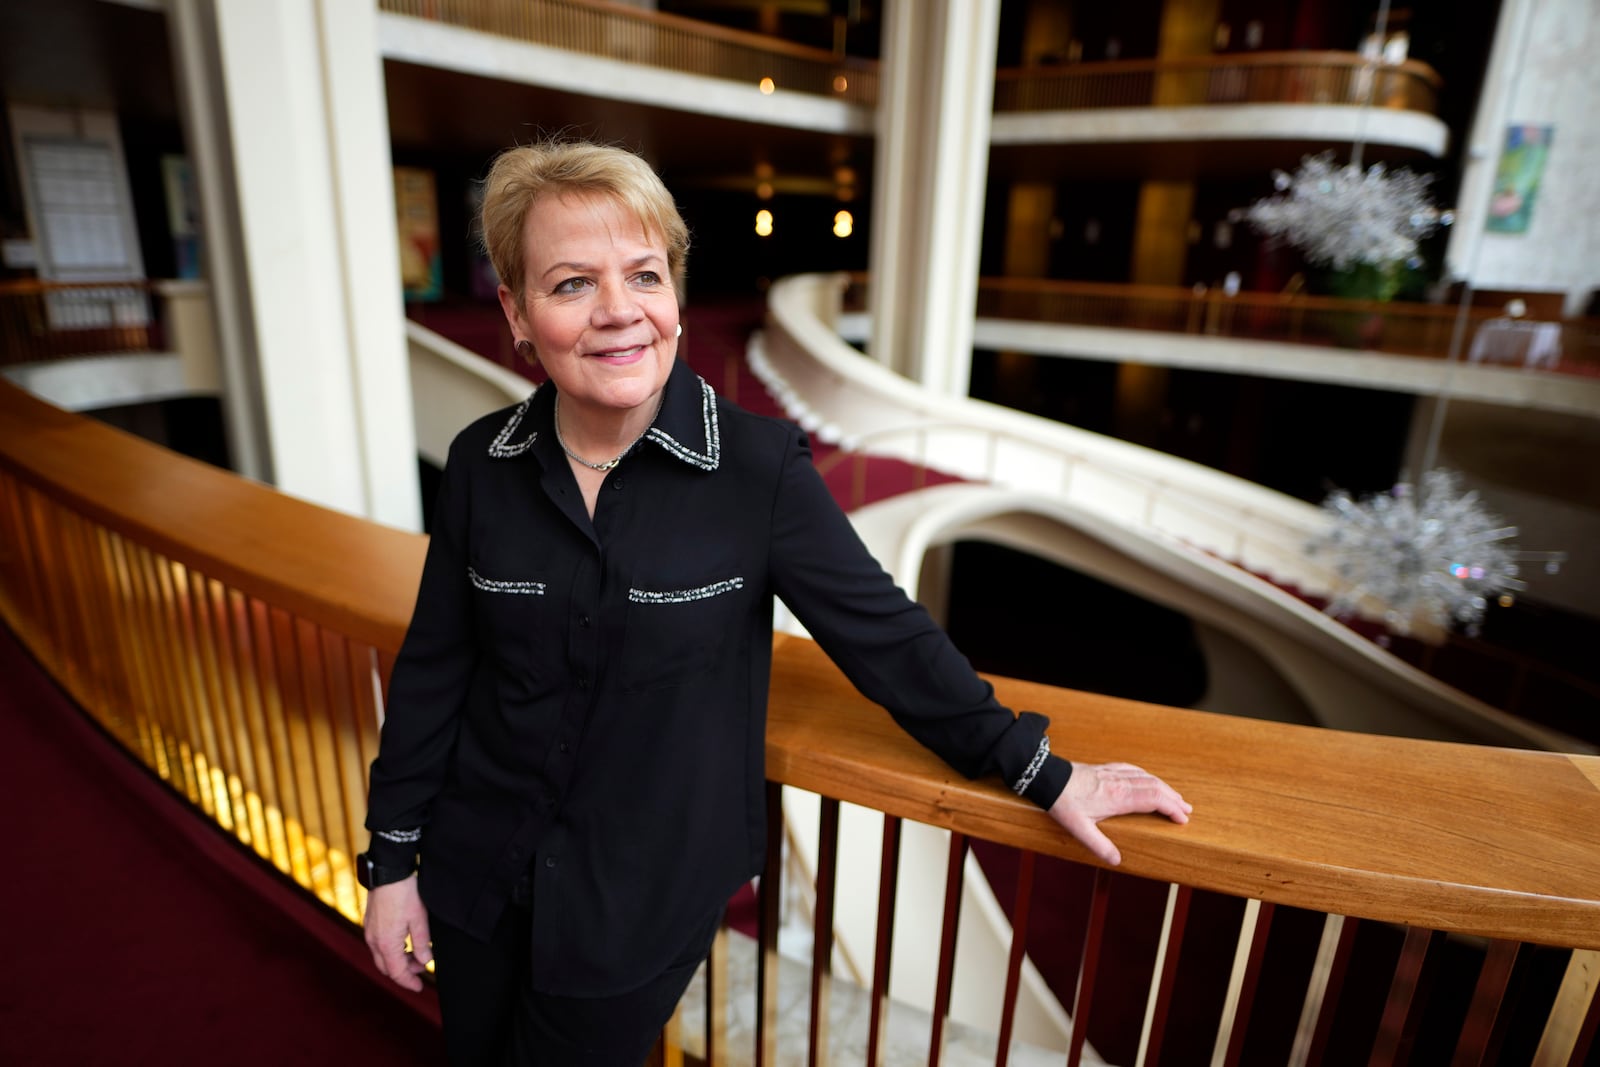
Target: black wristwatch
[{"x": 371, "y": 876}]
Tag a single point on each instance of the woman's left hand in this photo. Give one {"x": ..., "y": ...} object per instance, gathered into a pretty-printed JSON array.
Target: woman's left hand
[{"x": 1100, "y": 790}]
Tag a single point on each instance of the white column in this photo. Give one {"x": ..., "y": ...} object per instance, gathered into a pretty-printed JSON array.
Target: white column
[
  {"x": 1541, "y": 73},
  {"x": 287, "y": 124},
  {"x": 932, "y": 161},
  {"x": 1488, "y": 135}
]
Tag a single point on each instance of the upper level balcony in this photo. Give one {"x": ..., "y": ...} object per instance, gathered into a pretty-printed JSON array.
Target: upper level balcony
[
  {"x": 1305, "y": 100},
  {"x": 1472, "y": 353}
]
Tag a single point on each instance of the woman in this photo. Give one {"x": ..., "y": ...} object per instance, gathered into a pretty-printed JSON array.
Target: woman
[{"x": 574, "y": 743}]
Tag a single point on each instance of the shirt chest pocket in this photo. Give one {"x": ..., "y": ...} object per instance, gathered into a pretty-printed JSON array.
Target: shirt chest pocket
[
  {"x": 513, "y": 613},
  {"x": 676, "y": 631}
]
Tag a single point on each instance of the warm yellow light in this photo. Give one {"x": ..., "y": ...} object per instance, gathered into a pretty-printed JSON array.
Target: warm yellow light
[
  {"x": 764, "y": 223},
  {"x": 767, "y": 86},
  {"x": 843, "y": 224},
  {"x": 840, "y": 83}
]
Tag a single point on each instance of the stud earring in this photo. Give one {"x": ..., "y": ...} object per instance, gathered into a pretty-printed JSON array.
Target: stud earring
[
  {"x": 680, "y": 330},
  {"x": 525, "y": 350}
]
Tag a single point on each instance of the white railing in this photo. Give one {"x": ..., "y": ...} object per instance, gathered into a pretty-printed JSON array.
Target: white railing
[
  {"x": 451, "y": 386},
  {"x": 844, "y": 398}
]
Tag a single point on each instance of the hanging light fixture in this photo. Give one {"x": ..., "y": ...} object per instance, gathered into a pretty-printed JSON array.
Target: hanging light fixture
[
  {"x": 1343, "y": 216},
  {"x": 1433, "y": 554}
]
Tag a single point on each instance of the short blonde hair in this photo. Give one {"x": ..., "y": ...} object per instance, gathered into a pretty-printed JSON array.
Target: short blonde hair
[{"x": 521, "y": 175}]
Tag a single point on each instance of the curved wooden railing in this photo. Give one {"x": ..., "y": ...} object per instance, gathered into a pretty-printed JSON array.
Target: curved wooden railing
[
  {"x": 1393, "y": 327},
  {"x": 56, "y": 320},
  {"x": 235, "y": 640},
  {"x": 1255, "y": 78},
  {"x": 671, "y": 42}
]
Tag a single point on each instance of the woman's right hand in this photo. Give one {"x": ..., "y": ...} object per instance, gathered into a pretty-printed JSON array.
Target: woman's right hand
[
  {"x": 395, "y": 912},
  {"x": 1098, "y": 791}
]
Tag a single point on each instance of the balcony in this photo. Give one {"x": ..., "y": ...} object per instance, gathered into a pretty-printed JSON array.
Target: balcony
[
  {"x": 236, "y": 643},
  {"x": 1308, "y": 99},
  {"x": 1473, "y": 353}
]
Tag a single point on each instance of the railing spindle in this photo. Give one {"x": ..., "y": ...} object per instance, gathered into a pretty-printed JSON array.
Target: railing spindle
[
  {"x": 1483, "y": 1027},
  {"x": 271, "y": 844},
  {"x": 716, "y": 1021},
  {"x": 888, "y": 882},
  {"x": 1019, "y": 950},
  {"x": 1322, "y": 995},
  {"x": 1397, "y": 1029},
  {"x": 947, "y": 945},
  {"x": 1252, "y": 950},
  {"x": 1089, "y": 965},
  {"x": 1570, "y": 1031},
  {"x": 219, "y": 735},
  {"x": 771, "y": 898},
  {"x": 251, "y": 828},
  {"x": 822, "y": 932},
  {"x": 1165, "y": 975}
]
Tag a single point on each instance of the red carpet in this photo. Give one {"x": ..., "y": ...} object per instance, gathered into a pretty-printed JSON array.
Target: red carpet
[{"x": 139, "y": 934}]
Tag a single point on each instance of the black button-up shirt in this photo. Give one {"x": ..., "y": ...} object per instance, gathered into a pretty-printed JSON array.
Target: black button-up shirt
[{"x": 585, "y": 701}]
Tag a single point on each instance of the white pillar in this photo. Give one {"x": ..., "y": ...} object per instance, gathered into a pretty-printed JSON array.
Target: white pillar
[
  {"x": 928, "y": 187},
  {"x": 287, "y": 124},
  {"x": 1541, "y": 73},
  {"x": 1488, "y": 135}
]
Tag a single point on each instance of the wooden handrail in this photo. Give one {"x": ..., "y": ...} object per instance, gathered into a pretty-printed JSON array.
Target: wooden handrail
[
  {"x": 1344, "y": 79},
  {"x": 343, "y": 573},
  {"x": 1474, "y": 839},
  {"x": 49, "y": 320},
  {"x": 670, "y": 42},
  {"x": 38, "y": 287},
  {"x": 1383, "y": 327},
  {"x": 1308, "y": 58},
  {"x": 477, "y": 11},
  {"x": 1180, "y": 294}
]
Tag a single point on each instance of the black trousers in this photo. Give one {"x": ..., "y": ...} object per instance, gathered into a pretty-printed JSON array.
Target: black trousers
[{"x": 494, "y": 1018}]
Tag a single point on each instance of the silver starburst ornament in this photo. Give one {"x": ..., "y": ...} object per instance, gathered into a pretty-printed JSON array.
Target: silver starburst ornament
[
  {"x": 1339, "y": 216},
  {"x": 1434, "y": 554}
]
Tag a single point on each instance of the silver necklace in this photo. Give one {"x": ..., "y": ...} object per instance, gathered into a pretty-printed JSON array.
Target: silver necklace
[{"x": 613, "y": 461}]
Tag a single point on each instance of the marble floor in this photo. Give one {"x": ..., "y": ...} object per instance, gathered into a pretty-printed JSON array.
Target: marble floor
[{"x": 848, "y": 1015}]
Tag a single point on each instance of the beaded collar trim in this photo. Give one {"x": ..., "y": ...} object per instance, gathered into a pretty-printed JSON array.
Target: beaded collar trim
[
  {"x": 712, "y": 456},
  {"x": 503, "y": 447}
]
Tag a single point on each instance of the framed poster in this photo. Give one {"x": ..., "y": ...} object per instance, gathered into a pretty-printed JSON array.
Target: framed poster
[
  {"x": 183, "y": 214},
  {"x": 1516, "y": 180},
  {"x": 416, "y": 210}
]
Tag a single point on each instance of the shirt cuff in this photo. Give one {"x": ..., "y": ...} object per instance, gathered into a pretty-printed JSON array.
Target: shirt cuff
[
  {"x": 1046, "y": 775},
  {"x": 395, "y": 848}
]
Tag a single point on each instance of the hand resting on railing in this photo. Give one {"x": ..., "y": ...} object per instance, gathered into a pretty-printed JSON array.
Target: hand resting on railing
[{"x": 1099, "y": 791}]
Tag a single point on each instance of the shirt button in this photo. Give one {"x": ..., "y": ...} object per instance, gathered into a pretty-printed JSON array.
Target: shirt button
[
  {"x": 583, "y": 621},
  {"x": 565, "y": 747},
  {"x": 549, "y": 861},
  {"x": 616, "y": 483},
  {"x": 583, "y": 683}
]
